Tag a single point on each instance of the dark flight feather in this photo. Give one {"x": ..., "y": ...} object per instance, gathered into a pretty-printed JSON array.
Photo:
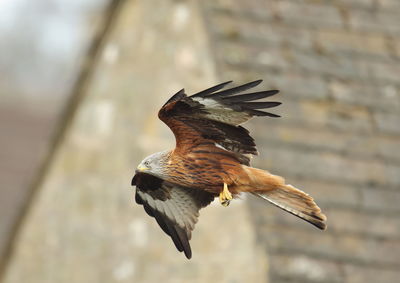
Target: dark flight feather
[
  {"x": 217, "y": 115},
  {"x": 211, "y": 90},
  {"x": 250, "y": 96},
  {"x": 177, "y": 96},
  {"x": 175, "y": 208},
  {"x": 235, "y": 90}
]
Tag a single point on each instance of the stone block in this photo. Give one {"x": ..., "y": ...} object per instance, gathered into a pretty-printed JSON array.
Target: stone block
[
  {"x": 310, "y": 15},
  {"x": 375, "y": 96},
  {"x": 383, "y": 22},
  {"x": 381, "y": 200},
  {"x": 362, "y": 274},
  {"x": 388, "y": 148},
  {"x": 255, "y": 9},
  {"x": 372, "y": 224},
  {"x": 315, "y": 139},
  {"x": 389, "y": 5},
  {"x": 292, "y": 85},
  {"x": 303, "y": 268},
  {"x": 264, "y": 57},
  {"x": 341, "y": 41},
  {"x": 328, "y": 167},
  {"x": 385, "y": 72},
  {"x": 300, "y": 86},
  {"x": 257, "y": 32},
  {"x": 329, "y": 245},
  {"x": 366, "y": 4},
  {"x": 341, "y": 67},
  {"x": 326, "y": 114},
  {"x": 388, "y": 123}
]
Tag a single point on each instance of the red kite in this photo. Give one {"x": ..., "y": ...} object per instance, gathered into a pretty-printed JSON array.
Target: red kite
[{"x": 211, "y": 159}]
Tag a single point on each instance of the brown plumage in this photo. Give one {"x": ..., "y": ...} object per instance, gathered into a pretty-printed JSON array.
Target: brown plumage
[{"x": 211, "y": 158}]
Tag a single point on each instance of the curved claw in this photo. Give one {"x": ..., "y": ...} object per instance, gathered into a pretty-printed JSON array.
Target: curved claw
[{"x": 225, "y": 196}]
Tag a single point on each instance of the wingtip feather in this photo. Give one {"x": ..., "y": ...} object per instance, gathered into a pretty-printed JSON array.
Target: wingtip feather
[
  {"x": 234, "y": 90},
  {"x": 211, "y": 90}
]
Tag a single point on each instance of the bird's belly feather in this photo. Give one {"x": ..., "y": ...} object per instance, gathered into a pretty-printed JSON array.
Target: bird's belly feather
[{"x": 206, "y": 171}]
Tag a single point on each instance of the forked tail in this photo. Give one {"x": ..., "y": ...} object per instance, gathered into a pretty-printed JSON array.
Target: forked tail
[{"x": 273, "y": 189}]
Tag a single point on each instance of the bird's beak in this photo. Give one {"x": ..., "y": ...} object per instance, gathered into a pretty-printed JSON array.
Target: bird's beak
[{"x": 142, "y": 168}]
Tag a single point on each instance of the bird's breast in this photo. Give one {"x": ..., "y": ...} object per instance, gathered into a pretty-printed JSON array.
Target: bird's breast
[{"x": 203, "y": 169}]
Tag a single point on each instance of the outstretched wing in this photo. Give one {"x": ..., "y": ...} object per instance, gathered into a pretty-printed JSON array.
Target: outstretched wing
[
  {"x": 175, "y": 208},
  {"x": 213, "y": 117}
]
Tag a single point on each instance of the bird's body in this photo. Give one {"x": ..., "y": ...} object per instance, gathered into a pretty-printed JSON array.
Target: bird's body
[
  {"x": 211, "y": 159},
  {"x": 204, "y": 168},
  {"x": 208, "y": 170}
]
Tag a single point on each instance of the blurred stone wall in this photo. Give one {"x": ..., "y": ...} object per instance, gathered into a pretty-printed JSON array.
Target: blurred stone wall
[
  {"x": 337, "y": 66},
  {"x": 43, "y": 46},
  {"x": 83, "y": 224}
]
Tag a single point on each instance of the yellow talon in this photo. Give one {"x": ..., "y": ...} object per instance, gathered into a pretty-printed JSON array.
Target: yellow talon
[{"x": 225, "y": 196}]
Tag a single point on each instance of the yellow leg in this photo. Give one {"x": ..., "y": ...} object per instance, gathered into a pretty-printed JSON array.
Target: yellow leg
[{"x": 225, "y": 196}]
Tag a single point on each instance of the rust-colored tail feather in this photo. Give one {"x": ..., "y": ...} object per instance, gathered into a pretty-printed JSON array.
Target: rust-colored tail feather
[
  {"x": 273, "y": 189},
  {"x": 295, "y": 202}
]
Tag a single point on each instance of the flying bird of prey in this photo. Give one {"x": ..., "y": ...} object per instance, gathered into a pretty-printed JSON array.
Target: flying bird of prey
[{"x": 211, "y": 159}]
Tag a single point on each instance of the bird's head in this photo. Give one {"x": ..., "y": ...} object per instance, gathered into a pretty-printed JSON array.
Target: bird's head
[{"x": 154, "y": 164}]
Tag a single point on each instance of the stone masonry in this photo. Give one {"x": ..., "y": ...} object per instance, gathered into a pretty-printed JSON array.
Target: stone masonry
[
  {"x": 83, "y": 224},
  {"x": 337, "y": 64}
]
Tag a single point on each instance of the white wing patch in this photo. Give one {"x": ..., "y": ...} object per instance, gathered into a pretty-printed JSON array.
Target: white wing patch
[
  {"x": 220, "y": 146},
  {"x": 219, "y": 112}
]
